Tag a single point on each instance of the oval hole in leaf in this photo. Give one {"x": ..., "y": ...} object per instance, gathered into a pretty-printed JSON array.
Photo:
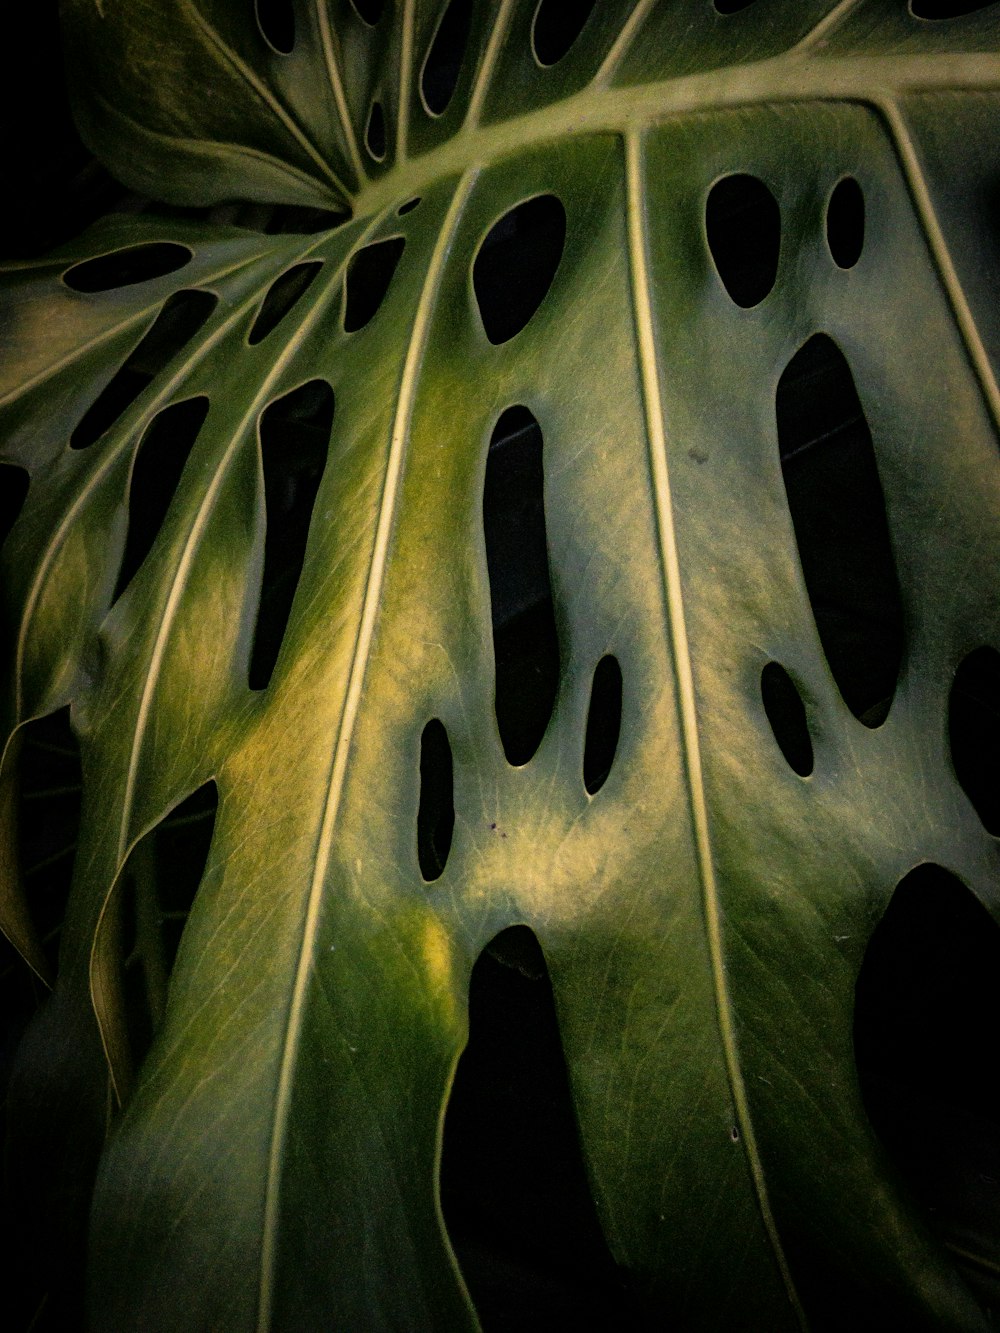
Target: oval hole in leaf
[
  {"x": 369, "y": 11},
  {"x": 556, "y": 27},
  {"x": 927, "y": 1006},
  {"x": 743, "y": 229},
  {"x": 183, "y": 314},
  {"x": 408, "y": 207},
  {"x": 294, "y": 440},
  {"x": 282, "y": 294},
  {"x": 938, "y": 10},
  {"x": 845, "y": 223},
  {"x": 436, "y": 815},
  {"x": 514, "y": 1190},
  {"x": 787, "y": 716},
  {"x": 156, "y": 473},
  {"x": 525, "y": 642},
  {"x": 276, "y": 20},
  {"x": 974, "y": 733},
  {"x": 49, "y": 789},
  {"x": 444, "y": 59},
  {"x": 368, "y": 276},
  {"x": 838, "y": 512},
  {"x": 375, "y": 140},
  {"x": 732, "y": 6},
  {"x": 154, "y": 896},
  {"x": 124, "y": 268},
  {"x": 14, "y": 482},
  {"x": 604, "y": 723},
  {"x": 515, "y": 265}
]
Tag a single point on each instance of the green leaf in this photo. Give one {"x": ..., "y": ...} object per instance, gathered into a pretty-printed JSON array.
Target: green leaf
[{"x": 705, "y": 913}]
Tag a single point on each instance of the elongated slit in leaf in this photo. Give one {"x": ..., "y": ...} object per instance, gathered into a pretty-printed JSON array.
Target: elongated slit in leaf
[
  {"x": 14, "y": 482},
  {"x": 369, "y": 11},
  {"x": 604, "y": 721},
  {"x": 732, "y": 6},
  {"x": 845, "y": 223},
  {"x": 525, "y": 642},
  {"x": 124, "y": 268},
  {"x": 941, "y": 10},
  {"x": 516, "y": 263},
  {"x": 281, "y": 296},
  {"x": 514, "y": 1190},
  {"x": 276, "y": 20},
  {"x": 375, "y": 138},
  {"x": 787, "y": 716},
  {"x": 743, "y": 230},
  {"x": 974, "y": 733},
  {"x": 838, "y": 513},
  {"x": 436, "y": 814},
  {"x": 444, "y": 58},
  {"x": 183, "y": 314},
  {"x": 49, "y": 791},
  {"x": 927, "y": 1006},
  {"x": 369, "y": 274},
  {"x": 156, "y": 473},
  {"x": 142, "y": 929},
  {"x": 294, "y": 439},
  {"x": 556, "y": 27}
]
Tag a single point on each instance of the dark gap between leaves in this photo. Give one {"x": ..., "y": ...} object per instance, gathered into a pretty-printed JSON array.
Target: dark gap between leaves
[
  {"x": 369, "y": 274},
  {"x": 940, "y": 10},
  {"x": 182, "y": 316},
  {"x": 302, "y": 220},
  {"x": 514, "y": 1190},
  {"x": 156, "y": 473},
  {"x": 556, "y": 27},
  {"x": 525, "y": 642},
  {"x": 284, "y": 292},
  {"x": 276, "y": 20},
  {"x": 14, "y": 483},
  {"x": 838, "y": 513},
  {"x": 515, "y": 265},
  {"x": 375, "y": 138},
  {"x": 845, "y": 223},
  {"x": 436, "y": 815},
  {"x": 124, "y": 268},
  {"x": 743, "y": 229},
  {"x": 732, "y": 6},
  {"x": 369, "y": 11},
  {"x": 154, "y": 899},
  {"x": 787, "y": 715},
  {"x": 927, "y": 1005},
  {"x": 604, "y": 722},
  {"x": 974, "y": 733},
  {"x": 444, "y": 59},
  {"x": 49, "y": 790},
  {"x": 294, "y": 440}
]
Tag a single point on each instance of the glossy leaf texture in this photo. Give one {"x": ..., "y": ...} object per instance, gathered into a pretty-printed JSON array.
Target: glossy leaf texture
[{"x": 526, "y": 244}]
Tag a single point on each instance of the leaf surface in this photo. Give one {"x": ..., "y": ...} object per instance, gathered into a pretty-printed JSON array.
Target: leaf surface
[{"x": 705, "y": 913}]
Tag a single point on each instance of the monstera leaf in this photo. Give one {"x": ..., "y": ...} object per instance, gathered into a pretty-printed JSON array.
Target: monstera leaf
[{"x": 565, "y": 538}]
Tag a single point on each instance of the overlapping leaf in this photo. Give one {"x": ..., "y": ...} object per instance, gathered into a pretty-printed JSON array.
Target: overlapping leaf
[{"x": 705, "y": 913}]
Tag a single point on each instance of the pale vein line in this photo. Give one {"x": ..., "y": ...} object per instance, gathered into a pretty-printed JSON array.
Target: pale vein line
[
  {"x": 405, "y": 80},
  {"x": 337, "y": 88},
  {"x": 195, "y": 533},
  {"x": 826, "y": 24},
  {"x": 685, "y": 687},
  {"x": 262, "y": 91},
  {"x": 485, "y": 72},
  {"x": 345, "y": 731},
  {"x": 112, "y": 455},
  {"x": 622, "y": 42},
  {"x": 942, "y": 256}
]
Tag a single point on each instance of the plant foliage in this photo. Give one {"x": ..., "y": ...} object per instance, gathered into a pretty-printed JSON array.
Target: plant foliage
[{"x": 569, "y": 532}]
